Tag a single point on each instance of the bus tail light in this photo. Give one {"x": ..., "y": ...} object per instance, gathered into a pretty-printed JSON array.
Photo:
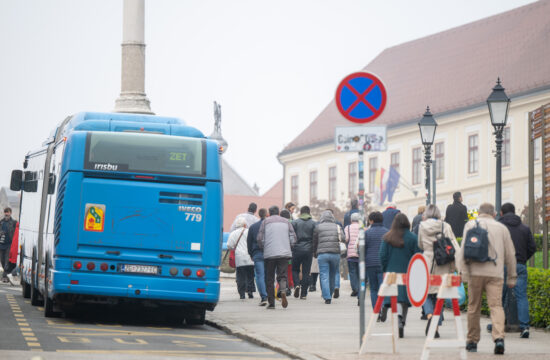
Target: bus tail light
[
  {"x": 173, "y": 271},
  {"x": 77, "y": 265},
  {"x": 200, "y": 273},
  {"x": 201, "y": 290},
  {"x": 74, "y": 282},
  {"x": 90, "y": 266},
  {"x": 104, "y": 266},
  {"x": 186, "y": 272}
]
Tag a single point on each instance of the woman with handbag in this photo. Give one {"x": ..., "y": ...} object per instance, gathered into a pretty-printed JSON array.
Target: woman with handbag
[
  {"x": 396, "y": 251},
  {"x": 243, "y": 262},
  {"x": 429, "y": 230},
  {"x": 327, "y": 236}
]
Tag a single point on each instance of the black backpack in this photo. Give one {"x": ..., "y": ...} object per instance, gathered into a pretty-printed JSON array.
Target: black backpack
[
  {"x": 476, "y": 245},
  {"x": 444, "y": 251}
]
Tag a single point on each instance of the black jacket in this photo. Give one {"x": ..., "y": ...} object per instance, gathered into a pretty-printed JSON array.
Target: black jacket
[
  {"x": 521, "y": 236},
  {"x": 254, "y": 250},
  {"x": 303, "y": 227},
  {"x": 9, "y": 225},
  {"x": 456, "y": 216}
]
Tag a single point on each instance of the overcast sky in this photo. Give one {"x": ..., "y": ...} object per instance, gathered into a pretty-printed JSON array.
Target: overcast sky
[{"x": 273, "y": 65}]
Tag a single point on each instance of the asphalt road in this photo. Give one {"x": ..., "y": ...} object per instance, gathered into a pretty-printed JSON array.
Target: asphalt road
[{"x": 110, "y": 333}]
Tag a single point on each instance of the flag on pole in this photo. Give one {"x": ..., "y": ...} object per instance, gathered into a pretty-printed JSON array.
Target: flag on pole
[
  {"x": 380, "y": 181},
  {"x": 391, "y": 184}
]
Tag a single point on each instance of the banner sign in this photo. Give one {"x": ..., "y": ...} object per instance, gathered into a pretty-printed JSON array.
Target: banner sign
[{"x": 360, "y": 138}]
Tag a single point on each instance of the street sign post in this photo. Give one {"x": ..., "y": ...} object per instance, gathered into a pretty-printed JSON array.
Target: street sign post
[{"x": 361, "y": 97}]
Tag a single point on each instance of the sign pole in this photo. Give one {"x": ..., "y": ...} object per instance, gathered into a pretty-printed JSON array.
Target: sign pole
[{"x": 361, "y": 250}]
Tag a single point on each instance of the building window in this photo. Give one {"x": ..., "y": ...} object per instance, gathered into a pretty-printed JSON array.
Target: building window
[
  {"x": 294, "y": 189},
  {"x": 373, "y": 167},
  {"x": 394, "y": 161},
  {"x": 352, "y": 179},
  {"x": 332, "y": 183},
  {"x": 506, "y": 147},
  {"x": 313, "y": 185},
  {"x": 416, "y": 166},
  {"x": 536, "y": 148},
  {"x": 439, "y": 161},
  {"x": 473, "y": 154}
]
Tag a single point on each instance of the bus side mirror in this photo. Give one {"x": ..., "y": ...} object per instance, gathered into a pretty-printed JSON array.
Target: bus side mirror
[
  {"x": 16, "y": 180},
  {"x": 51, "y": 184}
]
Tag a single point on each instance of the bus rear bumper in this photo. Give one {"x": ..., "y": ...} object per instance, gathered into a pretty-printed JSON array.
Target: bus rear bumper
[{"x": 136, "y": 287}]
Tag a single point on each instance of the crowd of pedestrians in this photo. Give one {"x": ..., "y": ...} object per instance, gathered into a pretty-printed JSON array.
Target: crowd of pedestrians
[{"x": 285, "y": 250}]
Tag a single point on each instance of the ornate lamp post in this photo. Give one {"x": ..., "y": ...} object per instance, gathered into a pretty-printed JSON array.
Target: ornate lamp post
[
  {"x": 498, "y": 104},
  {"x": 427, "y": 127}
]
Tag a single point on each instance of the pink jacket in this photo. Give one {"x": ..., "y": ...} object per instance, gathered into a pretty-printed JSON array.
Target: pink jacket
[{"x": 352, "y": 238}]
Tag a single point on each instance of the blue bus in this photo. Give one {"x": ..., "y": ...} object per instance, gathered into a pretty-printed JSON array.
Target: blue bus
[{"x": 122, "y": 208}]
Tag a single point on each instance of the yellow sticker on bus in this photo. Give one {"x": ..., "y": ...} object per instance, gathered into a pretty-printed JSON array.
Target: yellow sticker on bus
[{"x": 94, "y": 219}]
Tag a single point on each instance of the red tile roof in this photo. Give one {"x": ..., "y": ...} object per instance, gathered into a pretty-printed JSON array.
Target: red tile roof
[
  {"x": 234, "y": 205},
  {"x": 453, "y": 70}
]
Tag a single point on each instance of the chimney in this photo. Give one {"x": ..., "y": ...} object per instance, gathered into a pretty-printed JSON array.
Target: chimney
[{"x": 132, "y": 93}]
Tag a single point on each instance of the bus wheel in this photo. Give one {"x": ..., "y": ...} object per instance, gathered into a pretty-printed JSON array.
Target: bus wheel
[
  {"x": 35, "y": 295},
  {"x": 196, "y": 317},
  {"x": 25, "y": 289},
  {"x": 48, "y": 303}
]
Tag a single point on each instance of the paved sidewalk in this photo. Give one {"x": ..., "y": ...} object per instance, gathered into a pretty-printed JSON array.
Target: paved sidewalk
[{"x": 310, "y": 329}]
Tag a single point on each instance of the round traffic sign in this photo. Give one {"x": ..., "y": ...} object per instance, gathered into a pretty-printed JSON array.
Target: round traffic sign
[
  {"x": 361, "y": 97},
  {"x": 418, "y": 282}
]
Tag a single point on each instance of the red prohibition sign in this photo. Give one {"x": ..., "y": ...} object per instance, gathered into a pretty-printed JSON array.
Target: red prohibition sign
[{"x": 361, "y": 97}]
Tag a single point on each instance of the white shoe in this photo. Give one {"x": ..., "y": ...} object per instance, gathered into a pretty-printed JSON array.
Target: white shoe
[{"x": 11, "y": 280}]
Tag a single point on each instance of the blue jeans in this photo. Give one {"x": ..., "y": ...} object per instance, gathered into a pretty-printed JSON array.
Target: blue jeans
[
  {"x": 429, "y": 307},
  {"x": 353, "y": 267},
  {"x": 521, "y": 296},
  {"x": 329, "y": 272},
  {"x": 259, "y": 274},
  {"x": 375, "y": 277}
]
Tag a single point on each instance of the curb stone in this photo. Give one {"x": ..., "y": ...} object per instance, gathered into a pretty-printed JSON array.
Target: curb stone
[{"x": 259, "y": 339}]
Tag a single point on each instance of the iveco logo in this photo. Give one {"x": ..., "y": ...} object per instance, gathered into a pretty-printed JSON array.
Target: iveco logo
[
  {"x": 195, "y": 209},
  {"x": 108, "y": 167}
]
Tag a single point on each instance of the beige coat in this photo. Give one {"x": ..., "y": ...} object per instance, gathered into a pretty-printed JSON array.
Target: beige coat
[
  {"x": 426, "y": 237},
  {"x": 500, "y": 246}
]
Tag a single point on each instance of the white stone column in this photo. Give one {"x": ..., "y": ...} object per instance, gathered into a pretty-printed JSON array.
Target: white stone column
[{"x": 132, "y": 95}]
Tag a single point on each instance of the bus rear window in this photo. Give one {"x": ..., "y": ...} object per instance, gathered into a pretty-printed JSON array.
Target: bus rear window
[{"x": 145, "y": 153}]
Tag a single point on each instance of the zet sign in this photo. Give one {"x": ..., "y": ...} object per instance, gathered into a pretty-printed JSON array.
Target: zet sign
[{"x": 360, "y": 138}]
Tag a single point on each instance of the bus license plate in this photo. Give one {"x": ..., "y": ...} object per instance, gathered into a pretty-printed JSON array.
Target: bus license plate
[{"x": 140, "y": 269}]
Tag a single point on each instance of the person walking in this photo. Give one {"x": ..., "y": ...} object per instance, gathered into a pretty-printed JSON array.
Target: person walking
[
  {"x": 243, "y": 262},
  {"x": 326, "y": 248},
  {"x": 389, "y": 215},
  {"x": 525, "y": 247},
  {"x": 290, "y": 279},
  {"x": 397, "y": 249},
  {"x": 354, "y": 209},
  {"x": 249, "y": 217},
  {"x": 14, "y": 252},
  {"x": 373, "y": 266},
  {"x": 487, "y": 276},
  {"x": 352, "y": 240},
  {"x": 257, "y": 256},
  {"x": 7, "y": 230},
  {"x": 427, "y": 232},
  {"x": 302, "y": 253},
  {"x": 277, "y": 238},
  {"x": 457, "y": 214}
]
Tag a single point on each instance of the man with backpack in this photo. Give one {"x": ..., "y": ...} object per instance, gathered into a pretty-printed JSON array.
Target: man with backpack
[
  {"x": 486, "y": 248},
  {"x": 524, "y": 244}
]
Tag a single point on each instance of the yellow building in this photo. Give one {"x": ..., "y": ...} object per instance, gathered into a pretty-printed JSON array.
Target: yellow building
[{"x": 453, "y": 72}]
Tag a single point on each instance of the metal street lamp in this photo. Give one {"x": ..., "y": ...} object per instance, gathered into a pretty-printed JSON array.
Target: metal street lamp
[
  {"x": 427, "y": 127},
  {"x": 499, "y": 105}
]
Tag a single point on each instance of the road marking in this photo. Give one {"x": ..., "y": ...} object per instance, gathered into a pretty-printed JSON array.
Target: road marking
[
  {"x": 58, "y": 322},
  {"x": 187, "y": 343},
  {"x": 74, "y": 339},
  {"x": 106, "y": 332},
  {"x": 109, "y": 325},
  {"x": 135, "y": 342},
  {"x": 170, "y": 352},
  {"x": 24, "y": 327},
  {"x": 39, "y": 308}
]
